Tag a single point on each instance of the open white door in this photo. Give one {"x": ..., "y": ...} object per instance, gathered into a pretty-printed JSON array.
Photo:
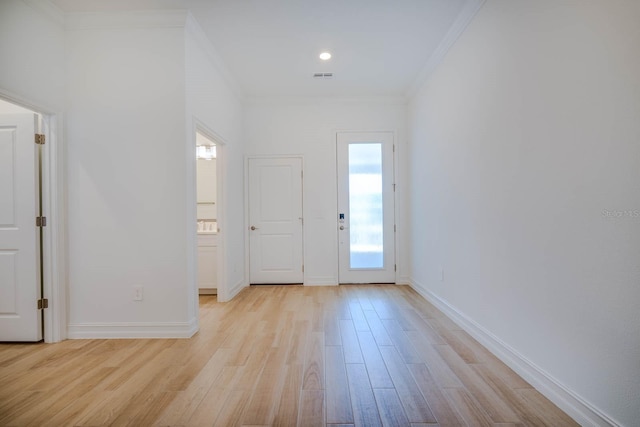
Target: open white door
[
  {"x": 275, "y": 215},
  {"x": 366, "y": 230},
  {"x": 20, "y": 288}
]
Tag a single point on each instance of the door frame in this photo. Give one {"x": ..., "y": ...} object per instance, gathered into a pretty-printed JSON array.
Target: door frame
[
  {"x": 247, "y": 261},
  {"x": 396, "y": 212},
  {"x": 221, "y": 209},
  {"x": 54, "y": 244}
]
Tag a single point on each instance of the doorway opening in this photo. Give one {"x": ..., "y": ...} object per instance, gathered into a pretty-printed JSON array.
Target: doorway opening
[
  {"x": 207, "y": 213},
  {"x": 207, "y": 223}
]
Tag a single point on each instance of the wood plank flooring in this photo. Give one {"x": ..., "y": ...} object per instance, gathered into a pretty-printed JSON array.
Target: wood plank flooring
[{"x": 365, "y": 355}]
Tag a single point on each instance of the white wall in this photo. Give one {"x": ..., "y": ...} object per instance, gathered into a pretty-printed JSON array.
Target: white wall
[
  {"x": 127, "y": 176},
  {"x": 135, "y": 83},
  {"x": 307, "y": 127},
  {"x": 206, "y": 187},
  {"x": 32, "y": 52},
  {"x": 525, "y": 172},
  {"x": 33, "y": 74},
  {"x": 213, "y": 101}
]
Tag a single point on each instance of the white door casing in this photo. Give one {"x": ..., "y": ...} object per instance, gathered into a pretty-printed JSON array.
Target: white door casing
[
  {"x": 275, "y": 220},
  {"x": 366, "y": 199},
  {"x": 20, "y": 319}
]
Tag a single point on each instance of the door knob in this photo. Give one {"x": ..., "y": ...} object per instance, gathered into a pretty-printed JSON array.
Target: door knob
[
  {"x": 253, "y": 228},
  {"x": 342, "y": 227}
]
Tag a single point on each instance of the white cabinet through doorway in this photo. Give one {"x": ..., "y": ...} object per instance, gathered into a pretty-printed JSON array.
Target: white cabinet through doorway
[{"x": 207, "y": 263}]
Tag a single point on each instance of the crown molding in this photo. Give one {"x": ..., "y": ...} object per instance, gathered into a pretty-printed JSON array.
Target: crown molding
[
  {"x": 459, "y": 26},
  {"x": 126, "y": 19}
]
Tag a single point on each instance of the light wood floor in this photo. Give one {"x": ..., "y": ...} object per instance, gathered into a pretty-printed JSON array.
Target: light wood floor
[{"x": 308, "y": 356}]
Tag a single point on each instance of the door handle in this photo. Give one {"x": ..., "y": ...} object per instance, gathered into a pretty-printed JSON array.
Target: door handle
[
  {"x": 253, "y": 228},
  {"x": 342, "y": 227}
]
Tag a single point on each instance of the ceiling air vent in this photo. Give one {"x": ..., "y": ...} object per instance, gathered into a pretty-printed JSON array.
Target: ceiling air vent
[{"x": 322, "y": 75}]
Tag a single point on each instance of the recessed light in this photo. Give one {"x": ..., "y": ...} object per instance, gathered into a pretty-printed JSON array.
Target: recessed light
[{"x": 325, "y": 56}]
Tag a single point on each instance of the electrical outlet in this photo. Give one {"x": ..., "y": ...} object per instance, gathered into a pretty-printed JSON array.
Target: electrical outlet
[{"x": 138, "y": 293}]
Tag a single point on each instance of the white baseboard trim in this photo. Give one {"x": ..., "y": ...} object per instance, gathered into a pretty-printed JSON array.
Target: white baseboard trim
[
  {"x": 235, "y": 289},
  {"x": 575, "y": 406},
  {"x": 132, "y": 330},
  {"x": 321, "y": 281}
]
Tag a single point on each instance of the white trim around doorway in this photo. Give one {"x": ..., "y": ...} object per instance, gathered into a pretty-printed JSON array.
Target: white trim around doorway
[
  {"x": 54, "y": 244},
  {"x": 221, "y": 196}
]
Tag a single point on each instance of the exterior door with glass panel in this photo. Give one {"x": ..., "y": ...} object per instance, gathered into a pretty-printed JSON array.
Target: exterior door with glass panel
[{"x": 366, "y": 235}]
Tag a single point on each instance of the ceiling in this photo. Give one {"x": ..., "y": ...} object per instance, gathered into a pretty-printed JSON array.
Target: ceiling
[{"x": 271, "y": 47}]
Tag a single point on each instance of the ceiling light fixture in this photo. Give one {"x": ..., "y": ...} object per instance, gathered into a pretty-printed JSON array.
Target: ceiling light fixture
[{"x": 325, "y": 56}]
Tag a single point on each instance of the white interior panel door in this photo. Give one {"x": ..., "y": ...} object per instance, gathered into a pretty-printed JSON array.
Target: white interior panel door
[
  {"x": 20, "y": 319},
  {"x": 366, "y": 230},
  {"x": 275, "y": 219}
]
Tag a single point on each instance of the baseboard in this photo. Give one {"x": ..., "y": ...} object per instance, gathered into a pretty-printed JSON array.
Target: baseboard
[
  {"x": 132, "y": 330},
  {"x": 320, "y": 281},
  {"x": 235, "y": 289},
  {"x": 575, "y": 406}
]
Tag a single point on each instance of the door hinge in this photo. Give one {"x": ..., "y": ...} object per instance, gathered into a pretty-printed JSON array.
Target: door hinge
[
  {"x": 40, "y": 139},
  {"x": 43, "y": 303},
  {"x": 394, "y": 188},
  {"x": 41, "y": 221},
  {"x": 394, "y": 148},
  {"x": 395, "y": 267},
  {"x": 394, "y": 228},
  {"x": 303, "y": 268}
]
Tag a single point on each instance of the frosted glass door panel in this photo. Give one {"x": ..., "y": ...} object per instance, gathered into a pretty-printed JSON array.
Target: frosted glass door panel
[{"x": 365, "y": 206}]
